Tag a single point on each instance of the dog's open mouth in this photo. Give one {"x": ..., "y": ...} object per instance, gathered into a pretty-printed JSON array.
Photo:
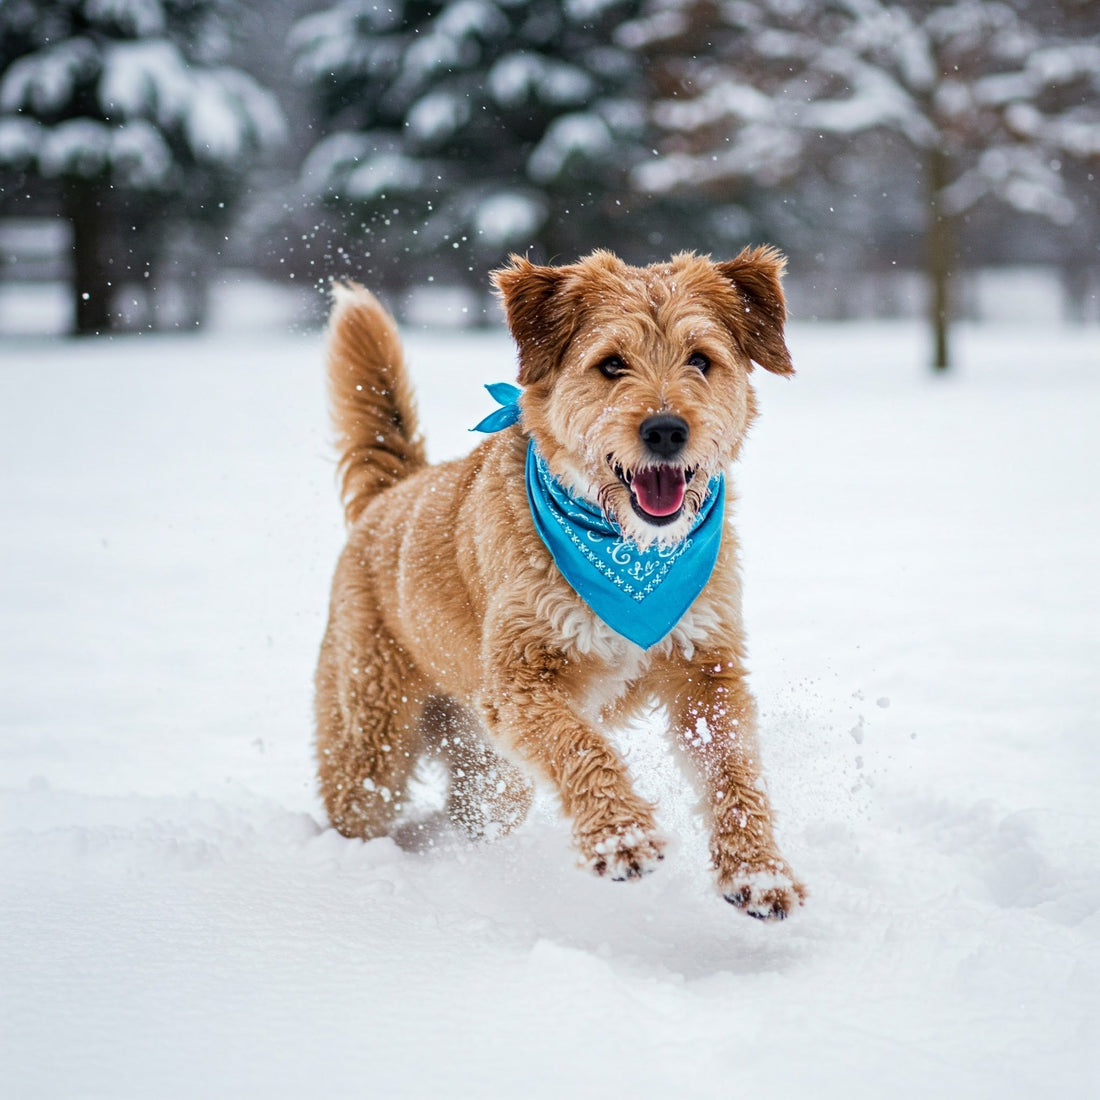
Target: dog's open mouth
[{"x": 656, "y": 492}]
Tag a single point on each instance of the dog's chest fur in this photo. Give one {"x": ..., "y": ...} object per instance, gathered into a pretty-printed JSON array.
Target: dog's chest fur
[{"x": 623, "y": 662}]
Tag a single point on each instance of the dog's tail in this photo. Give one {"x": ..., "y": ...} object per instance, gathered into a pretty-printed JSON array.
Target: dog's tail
[{"x": 373, "y": 409}]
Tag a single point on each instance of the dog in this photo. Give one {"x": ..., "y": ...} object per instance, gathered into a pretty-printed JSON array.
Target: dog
[{"x": 457, "y": 627}]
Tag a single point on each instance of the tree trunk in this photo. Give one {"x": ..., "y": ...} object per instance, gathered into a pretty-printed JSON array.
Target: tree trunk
[
  {"x": 87, "y": 211},
  {"x": 939, "y": 258},
  {"x": 1075, "y": 291}
]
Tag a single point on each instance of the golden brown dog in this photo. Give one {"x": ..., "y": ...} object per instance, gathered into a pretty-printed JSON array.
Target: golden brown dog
[{"x": 452, "y": 630}]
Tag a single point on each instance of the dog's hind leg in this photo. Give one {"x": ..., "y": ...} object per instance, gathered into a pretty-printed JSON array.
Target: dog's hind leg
[
  {"x": 488, "y": 795},
  {"x": 368, "y": 701}
]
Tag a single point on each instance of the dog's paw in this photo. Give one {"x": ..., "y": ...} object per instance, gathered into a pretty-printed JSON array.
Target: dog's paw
[
  {"x": 766, "y": 891},
  {"x": 623, "y": 855}
]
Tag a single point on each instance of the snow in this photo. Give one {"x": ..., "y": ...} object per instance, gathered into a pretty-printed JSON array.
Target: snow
[
  {"x": 384, "y": 171},
  {"x": 325, "y": 42},
  {"x": 505, "y": 216},
  {"x": 430, "y": 56},
  {"x": 145, "y": 79},
  {"x": 521, "y": 75},
  {"x": 1023, "y": 177},
  {"x": 175, "y": 919},
  {"x": 470, "y": 18},
  {"x": 568, "y": 136},
  {"x": 437, "y": 116},
  {"x": 44, "y": 82},
  {"x": 222, "y": 111},
  {"x": 768, "y": 153},
  {"x": 136, "y": 151},
  {"x": 139, "y": 154},
  {"x": 19, "y": 139},
  {"x": 144, "y": 85},
  {"x": 229, "y": 114},
  {"x": 361, "y": 166},
  {"x": 140, "y": 18}
]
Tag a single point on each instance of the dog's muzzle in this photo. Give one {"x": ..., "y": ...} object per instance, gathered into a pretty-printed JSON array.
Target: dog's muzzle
[{"x": 657, "y": 491}]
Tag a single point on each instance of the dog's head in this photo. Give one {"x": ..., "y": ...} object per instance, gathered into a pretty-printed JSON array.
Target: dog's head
[{"x": 636, "y": 379}]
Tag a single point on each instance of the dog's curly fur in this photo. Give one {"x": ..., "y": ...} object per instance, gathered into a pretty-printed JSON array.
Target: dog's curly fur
[{"x": 451, "y": 630}]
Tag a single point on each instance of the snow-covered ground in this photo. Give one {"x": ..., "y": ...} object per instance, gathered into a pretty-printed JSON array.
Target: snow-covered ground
[{"x": 924, "y": 614}]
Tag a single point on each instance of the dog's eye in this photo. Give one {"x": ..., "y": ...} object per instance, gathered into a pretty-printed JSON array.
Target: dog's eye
[
  {"x": 700, "y": 362},
  {"x": 611, "y": 367}
]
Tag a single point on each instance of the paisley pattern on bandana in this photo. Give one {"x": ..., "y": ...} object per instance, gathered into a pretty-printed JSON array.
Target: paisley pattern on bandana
[{"x": 640, "y": 594}]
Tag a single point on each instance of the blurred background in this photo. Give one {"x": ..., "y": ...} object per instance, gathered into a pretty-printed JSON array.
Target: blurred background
[
  {"x": 179, "y": 182},
  {"x": 162, "y": 159}
]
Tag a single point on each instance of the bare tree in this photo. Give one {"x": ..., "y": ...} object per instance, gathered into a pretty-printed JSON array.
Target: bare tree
[{"x": 993, "y": 98}]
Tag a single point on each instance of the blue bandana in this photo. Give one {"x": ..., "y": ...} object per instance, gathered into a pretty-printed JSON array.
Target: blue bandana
[
  {"x": 640, "y": 594},
  {"x": 503, "y": 393}
]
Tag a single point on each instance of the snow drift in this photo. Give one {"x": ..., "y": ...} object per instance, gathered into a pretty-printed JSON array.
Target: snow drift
[{"x": 176, "y": 919}]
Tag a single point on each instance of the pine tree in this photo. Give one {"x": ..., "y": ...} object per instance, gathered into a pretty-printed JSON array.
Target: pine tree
[
  {"x": 126, "y": 114},
  {"x": 459, "y": 131},
  {"x": 993, "y": 97}
]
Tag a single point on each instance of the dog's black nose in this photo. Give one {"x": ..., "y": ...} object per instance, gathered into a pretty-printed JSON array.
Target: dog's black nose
[{"x": 665, "y": 435}]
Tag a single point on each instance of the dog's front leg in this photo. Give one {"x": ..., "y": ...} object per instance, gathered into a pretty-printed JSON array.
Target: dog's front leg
[
  {"x": 532, "y": 712},
  {"x": 714, "y": 718}
]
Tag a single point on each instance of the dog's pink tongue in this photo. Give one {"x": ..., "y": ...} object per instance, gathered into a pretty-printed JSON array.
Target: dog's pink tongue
[{"x": 660, "y": 489}]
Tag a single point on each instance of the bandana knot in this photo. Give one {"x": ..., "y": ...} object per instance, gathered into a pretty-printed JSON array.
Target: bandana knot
[{"x": 506, "y": 395}]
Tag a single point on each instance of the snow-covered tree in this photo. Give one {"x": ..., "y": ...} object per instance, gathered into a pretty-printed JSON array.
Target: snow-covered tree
[
  {"x": 461, "y": 130},
  {"x": 992, "y": 96},
  {"x": 128, "y": 113}
]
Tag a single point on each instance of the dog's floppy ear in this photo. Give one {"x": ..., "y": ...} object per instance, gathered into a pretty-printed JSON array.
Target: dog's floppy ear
[
  {"x": 540, "y": 314},
  {"x": 755, "y": 274}
]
